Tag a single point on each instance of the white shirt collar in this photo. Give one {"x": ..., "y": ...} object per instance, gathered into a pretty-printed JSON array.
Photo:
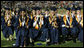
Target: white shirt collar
[
  {"x": 46, "y": 15},
  {"x": 72, "y": 15},
  {"x": 78, "y": 15},
  {"x": 67, "y": 16}
]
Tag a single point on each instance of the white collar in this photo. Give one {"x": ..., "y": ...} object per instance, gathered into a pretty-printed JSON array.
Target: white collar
[
  {"x": 46, "y": 15},
  {"x": 73, "y": 15},
  {"x": 78, "y": 15},
  {"x": 67, "y": 16}
]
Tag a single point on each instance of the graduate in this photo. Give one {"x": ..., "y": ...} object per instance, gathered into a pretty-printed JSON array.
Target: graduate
[
  {"x": 65, "y": 24},
  {"x": 79, "y": 19},
  {"x": 31, "y": 26},
  {"x": 44, "y": 26},
  {"x": 28, "y": 24},
  {"x": 35, "y": 29},
  {"x": 53, "y": 28},
  {"x": 3, "y": 25},
  {"x": 13, "y": 20},
  {"x": 73, "y": 24},
  {"x": 80, "y": 36},
  {"x": 59, "y": 24},
  {"x": 16, "y": 23},
  {"x": 49, "y": 27},
  {"x": 21, "y": 27},
  {"x": 73, "y": 10},
  {"x": 8, "y": 23}
]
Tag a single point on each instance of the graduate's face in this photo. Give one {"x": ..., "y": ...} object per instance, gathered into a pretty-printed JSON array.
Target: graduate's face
[
  {"x": 52, "y": 12},
  {"x": 33, "y": 11},
  {"x": 67, "y": 12},
  {"x": 78, "y": 11},
  {"x": 16, "y": 13},
  {"x": 22, "y": 13},
  {"x": 73, "y": 12},
  {"x": 37, "y": 12},
  {"x": 46, "y": 12},
  {"x": 7, "y": 11}
]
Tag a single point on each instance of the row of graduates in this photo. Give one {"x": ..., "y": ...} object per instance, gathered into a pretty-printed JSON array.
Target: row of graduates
[{"x": 39, "y": 26}]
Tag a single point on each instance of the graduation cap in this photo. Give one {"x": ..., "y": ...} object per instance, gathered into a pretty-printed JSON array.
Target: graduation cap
[
  {"x": 47, "y": 10},
  {"x": 68, "y": 9},
  {"x": 53, "y": 8},
  {"x": 78, "y": 8},
  {"x": 73, "y": 9},
  {"x": 22, "y": 9},
  {"x": 33, "y": 8},
  {"x": 37, "y": 8},
  {"x": 27, "y": 8},
  {"x": 7, "y": 8}
]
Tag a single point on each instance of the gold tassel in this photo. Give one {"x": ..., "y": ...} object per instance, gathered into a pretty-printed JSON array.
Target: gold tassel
[
  {"x": 27, "y": 21},
  {"x": 10, "y": 15},
  {"x": 55, "y": 23},
  {"x": 20, "y": 22},
  {"x": 81, "y": 19},
  {"x": 31, "y": 16},
  {"x": 81, "y": 22},
  {"x": 64, "y": 19},
  {"x": 50, "y": 19},
  {"x": 34, "y": 18},
  {"x": 70, "y": 19},
  {"x": 5, "y": 19},
  {"x": 77, "y": 18}
]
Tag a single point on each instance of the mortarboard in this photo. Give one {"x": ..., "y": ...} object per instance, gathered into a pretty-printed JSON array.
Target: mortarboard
[
  {"x": 73, "y": 9},
  {"x": 68, "y": 9},
  {"x": 7, "y": 8},
  {"x": 78, "y": 8}
]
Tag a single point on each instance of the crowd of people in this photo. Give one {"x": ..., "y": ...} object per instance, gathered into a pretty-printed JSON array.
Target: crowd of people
[
  {"x": 35, "y": 24},
  {"x": 43, "y": 4}
]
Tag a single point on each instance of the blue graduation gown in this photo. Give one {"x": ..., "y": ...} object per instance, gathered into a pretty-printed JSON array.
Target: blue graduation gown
[
  {"x": 80, "y": 36},
  {"x": 21, "y": 33},
  {"x": 54, "y": 34},
  {"x": 44, "y": 30},
  {"x": 3, "y": 25},
  {"x": 32, "y": 31},
  {"x": 16, "y": 24},
  {"x": 64, "y": 29},
  {"x": 74, "y": 28}
]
